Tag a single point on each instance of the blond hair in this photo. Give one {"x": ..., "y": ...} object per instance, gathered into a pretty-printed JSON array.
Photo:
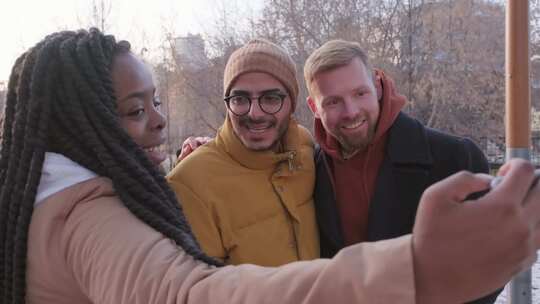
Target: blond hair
[{"x": 333, "y": 54}]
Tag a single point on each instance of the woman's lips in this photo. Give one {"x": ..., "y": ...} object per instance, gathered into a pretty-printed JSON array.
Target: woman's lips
[{"x": 156, "y": 154}]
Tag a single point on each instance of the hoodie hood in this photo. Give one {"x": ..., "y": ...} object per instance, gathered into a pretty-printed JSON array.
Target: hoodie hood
[
  {"x": 59, "y": 173},
  {"x": 390, "y": 104}
]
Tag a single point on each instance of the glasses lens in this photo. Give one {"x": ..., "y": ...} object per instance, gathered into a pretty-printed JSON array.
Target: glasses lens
[
  {"x": 271, "y": 103},
  {"x": 239, "y": 105}
]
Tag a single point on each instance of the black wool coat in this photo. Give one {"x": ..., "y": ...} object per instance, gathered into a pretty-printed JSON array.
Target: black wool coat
[{"x": 415, "y": 158}]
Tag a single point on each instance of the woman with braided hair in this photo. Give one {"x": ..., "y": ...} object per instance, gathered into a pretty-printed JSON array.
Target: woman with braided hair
[
  {"x": 63, "y": 128},
  {"x": 86, "y": 217}
]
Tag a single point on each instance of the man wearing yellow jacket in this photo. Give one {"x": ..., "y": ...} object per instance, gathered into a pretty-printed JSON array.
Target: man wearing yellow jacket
[{"x": 248, "y": 193}]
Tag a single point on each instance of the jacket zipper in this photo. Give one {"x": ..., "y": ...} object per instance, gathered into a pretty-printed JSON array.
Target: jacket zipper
[{"x": 290, "y": 159}]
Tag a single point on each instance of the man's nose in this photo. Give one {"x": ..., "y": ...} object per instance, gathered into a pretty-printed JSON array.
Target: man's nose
[
  {"x": 255, "y": 110},
  {"x": 351, "y": 108}
]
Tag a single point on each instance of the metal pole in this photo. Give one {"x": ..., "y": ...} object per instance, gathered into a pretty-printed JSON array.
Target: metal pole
[{"x": 518, "y": 130}]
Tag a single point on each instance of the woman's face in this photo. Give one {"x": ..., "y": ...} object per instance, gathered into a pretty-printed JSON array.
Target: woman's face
[{"x": 139, "y": 106}]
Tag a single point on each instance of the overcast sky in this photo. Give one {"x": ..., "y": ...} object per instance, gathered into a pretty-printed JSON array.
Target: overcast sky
[{"x": 25, "y": 22}]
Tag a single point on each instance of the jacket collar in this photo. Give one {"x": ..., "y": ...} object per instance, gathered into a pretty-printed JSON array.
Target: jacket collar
[
  {"x": 260, "y": 160},
  {"x": 408, "y": 142}
]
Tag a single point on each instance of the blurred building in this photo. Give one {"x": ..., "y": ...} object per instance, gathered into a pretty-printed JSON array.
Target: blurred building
[
  {"x": 190, "y": 52},
  {"x": 423, "y": 46}
]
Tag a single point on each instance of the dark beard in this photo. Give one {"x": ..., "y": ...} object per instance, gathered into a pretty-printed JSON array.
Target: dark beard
[{"x": 281, "y": 131}]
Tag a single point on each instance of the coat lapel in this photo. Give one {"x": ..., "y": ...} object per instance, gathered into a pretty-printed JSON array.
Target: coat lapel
[
  {"x": 326, "y": 209},
  {"x": 402, "y": 178}
]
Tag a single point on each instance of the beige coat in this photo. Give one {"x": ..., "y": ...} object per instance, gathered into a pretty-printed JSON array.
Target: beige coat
[
  {"x": 86, "y": 247},
  {"x": 251, "y": 206}
]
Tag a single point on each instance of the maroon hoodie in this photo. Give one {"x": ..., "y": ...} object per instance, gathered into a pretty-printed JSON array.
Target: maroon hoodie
[{"x": 354, "y": 178}]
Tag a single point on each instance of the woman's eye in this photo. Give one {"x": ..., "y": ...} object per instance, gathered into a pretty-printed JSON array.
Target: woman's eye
[{"x": 136, "y": 113}]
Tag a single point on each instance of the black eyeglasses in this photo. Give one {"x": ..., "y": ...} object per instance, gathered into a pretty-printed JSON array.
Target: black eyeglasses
[{"x": 270, "y": 103}]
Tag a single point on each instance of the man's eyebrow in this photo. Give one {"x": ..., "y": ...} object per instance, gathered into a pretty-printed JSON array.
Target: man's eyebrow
[
  {"x": 362, "y": 87},
  {"x": 276, "y": 90},
  {"x": 239, "y": 92},
  {"x": 244, "y": 92},
  {"x": 331, "y": 97}
]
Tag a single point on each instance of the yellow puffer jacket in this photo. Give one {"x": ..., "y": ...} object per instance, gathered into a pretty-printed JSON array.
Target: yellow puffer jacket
[{"x": 251, "y": 207}]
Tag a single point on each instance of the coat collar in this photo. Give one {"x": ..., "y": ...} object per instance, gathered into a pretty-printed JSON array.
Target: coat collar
[
  {"x": 403, "y": 177},
  {"x": 408, "y": 142},
  {"x": 261, "y": 160}
]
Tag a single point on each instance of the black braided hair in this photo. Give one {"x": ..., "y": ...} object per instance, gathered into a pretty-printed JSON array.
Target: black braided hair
[{"x": 61, "y": 99}]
